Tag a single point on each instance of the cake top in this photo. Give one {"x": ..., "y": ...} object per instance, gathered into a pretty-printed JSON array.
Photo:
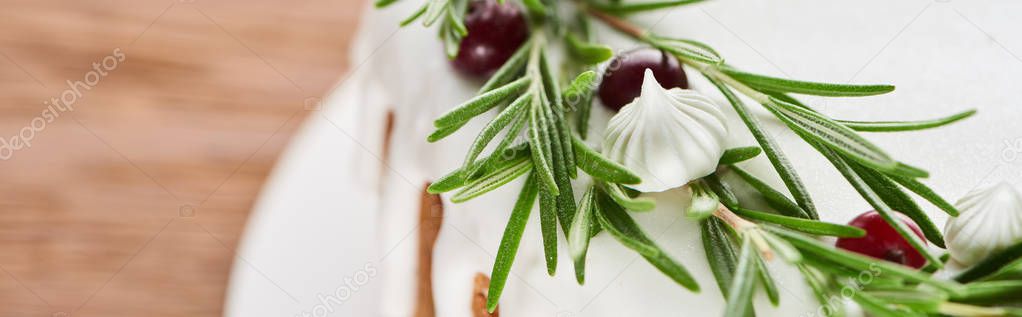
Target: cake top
[{"x": 666, "y": 138}]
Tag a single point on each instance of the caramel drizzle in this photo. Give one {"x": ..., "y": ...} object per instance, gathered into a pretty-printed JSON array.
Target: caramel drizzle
[
  {"x": 388, "y": 134},
  {"x": 431, "y": 214},
  {"x": 479, "y": 294}
]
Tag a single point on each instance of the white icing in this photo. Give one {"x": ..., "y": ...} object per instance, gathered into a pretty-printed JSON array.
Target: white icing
[
  {"x": 420, "y": 87},
  {"x": 309, "y": 229},
  {"x": 990, "y": 221},
  {"x": 667, "y": 136}
]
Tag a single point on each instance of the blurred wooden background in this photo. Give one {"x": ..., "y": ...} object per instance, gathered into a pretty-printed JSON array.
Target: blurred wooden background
[{"x": 132, "y": 204}]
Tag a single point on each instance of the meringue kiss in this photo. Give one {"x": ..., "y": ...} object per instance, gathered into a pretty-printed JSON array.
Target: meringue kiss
[
  {"x": 990, "y": 221},
  {"x": 667, "y": 136}
]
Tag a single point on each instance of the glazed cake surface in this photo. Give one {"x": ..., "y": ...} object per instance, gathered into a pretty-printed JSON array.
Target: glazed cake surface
[
  {"x": 338, "y": 206},
  {"x": 420, "y": 87}
]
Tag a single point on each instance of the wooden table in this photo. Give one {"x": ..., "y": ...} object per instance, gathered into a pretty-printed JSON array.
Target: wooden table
[{"x": 132, "y": 203}]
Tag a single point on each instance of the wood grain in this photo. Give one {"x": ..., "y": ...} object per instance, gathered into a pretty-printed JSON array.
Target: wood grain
[{"x": 132, "y": 203}]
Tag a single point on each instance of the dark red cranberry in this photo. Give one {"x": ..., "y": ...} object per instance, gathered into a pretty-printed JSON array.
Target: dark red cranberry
[
  {"x": 622, "y": 80},
  {"x": 882, "y": 241},
  {"x": 495, "y": 32}
]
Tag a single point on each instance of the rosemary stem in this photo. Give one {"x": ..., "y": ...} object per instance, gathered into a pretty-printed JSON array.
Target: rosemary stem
[
  {"x": 532, "y": 68},
  {"x": 537, "y": 48},
  {"x": 630, "y": 29},
  {"x": 746, "y": 229},
  {"x": 732, "y": 219},
  {"x": 617, "y": 23}
]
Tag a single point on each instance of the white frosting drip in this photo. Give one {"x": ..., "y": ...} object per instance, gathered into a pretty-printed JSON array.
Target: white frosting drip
[
  {"x": 990, "y": 221},
  {"x": 667, "y": 136}
]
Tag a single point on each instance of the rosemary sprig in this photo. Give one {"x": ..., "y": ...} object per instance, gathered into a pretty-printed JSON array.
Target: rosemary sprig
[
  {"x": 528, "y": 85},
  {"x": 870, "y": 195},
  {"x": 757, "y": 247},
  {"x": 448, "y": 12},
  {"x": 773, "y": 152},
  {"x": 538, "y": 140},
  {"x": 837, "y": 142}
]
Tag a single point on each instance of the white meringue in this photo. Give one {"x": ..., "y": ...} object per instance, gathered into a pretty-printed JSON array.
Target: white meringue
[
  {"x": 668, "y": 137},
  {"x": 990, "y": 221}
]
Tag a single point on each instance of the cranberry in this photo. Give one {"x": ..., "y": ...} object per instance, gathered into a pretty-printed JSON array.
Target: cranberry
[
  {"x": 882, "y": 241},
  {"x": 622, "y": 80},
  {"x": 495, "y": 31}
]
